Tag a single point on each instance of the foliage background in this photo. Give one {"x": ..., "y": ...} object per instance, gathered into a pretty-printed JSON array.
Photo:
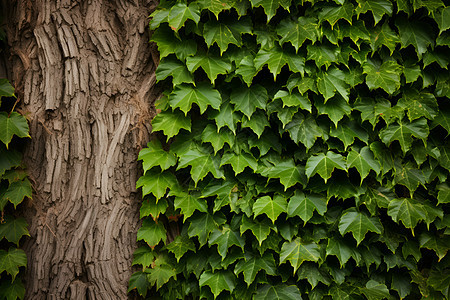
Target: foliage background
[{"x": 301, "y": 151}]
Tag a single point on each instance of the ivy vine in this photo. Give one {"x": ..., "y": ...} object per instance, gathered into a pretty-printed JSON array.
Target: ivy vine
[{"x": 301, "y": 151}]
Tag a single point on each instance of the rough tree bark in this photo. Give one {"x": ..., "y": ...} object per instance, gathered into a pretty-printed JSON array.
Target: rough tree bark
[{"x": 84, "y": 73}]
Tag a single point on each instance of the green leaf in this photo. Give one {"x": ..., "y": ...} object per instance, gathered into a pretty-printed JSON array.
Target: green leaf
[
  {"x": 383, "y": 35},
  {"x": 151, "y": 207},
  {"x": 439, "y": 244},
  {"x": 297, "y": 32},
  {"x": 383, "y": 155},
  {"x": 160, "y": 274},
  {"x": 363, "y": 161},
  {"x": 304, "y": 130},
  {"x": 225, "y": 116},
  {"x": 12, "y": 290},
  {"x": 348, "y": 131},
  {"x": 202, "y": 225},
  {"x": 276, "y": 58},
  {"x": 6, "y": 89},
  {"x": 13, "y": 229},
  {"x": 408, "y": 211},
  {"x": 324, "y": 165},
  {"x": 260, "y": 230},
  {"x": 408, "y": 175},
  {"x": 304, "y": 205},
  {"x": 293, "y": 99},
  {"x": 8, "y": 159},
  {"x": 168, "y": 43},
  {"x": 343, "y": 251},
  {"x": 239, "y": 161},
  {"x": 188, "y": 203},
  {"x": 296, "y": 252},
  {"x": 181, "y": 12},
  {"x": 202, "y": 162},
  {"x": 302, "y": 83},
  {"x": 419, "y": 104},
  {"x": 219, "y": 281},
  {"x": 438, "y": 55},
  {"x": 155, "y": 155},
  {"x": 270, "y": 6},
  {"x": 359, "y": 223},
  {"x": 151, "y": 232},
  {"x": 403, "y": 133},
  {"x": 246, "y": 68},
  {"x": 332, "y": 14},
  {"x": 217, "y": 137},
  {"x": 156, "y": 182},
  {"x": 180, "y": 245},
  {"x": 443, "y": 119},
  {"x": 385, "y": 75},
  {"x": 440, "y": 280},
  {"x": 247, "y": 100},
  {"x": 175, "y": 68},
  {"x": 324, "y": 54},
  {"x": 378, "y": 8},
  {"x": 11, "y": 260},
  {"x": 16, "y": 192},
  {"x": 253, "y": 264},
  {"x": 411, "y": 70},
  {"x": 442, "y": 18},
  {"x": 143, "y": 256},
  {"x": 336, "y": 108},
  {"x": 216, "y": 6},
  {"x": 331, "y": 82},
  {"x": 278, "y": 292},
  {"x": 12, "y": 124},
  {"x": 212, "y": 65},
  {"x": 256, "y": 123},
  {"x": 225, "y": 238},
  {"x": 271, "y": 207},
  {"x": 171, "y": 122},
  {"x": 227, "y": 33},
  {"x": 138, "y": 281},
  {"x": 402, "y": 284},
  {"x": 417, "y": 33},
  {"x": 203, "y": 95},
  {"x": 444, "y": 193},
  {"x": 288, "y": 173},
  {"x": 313, "y": 274},
  {"x": 375, "y": 290}
]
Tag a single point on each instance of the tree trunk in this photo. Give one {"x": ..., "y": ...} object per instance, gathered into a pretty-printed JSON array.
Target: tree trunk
[{"x": 84, "y": 73}]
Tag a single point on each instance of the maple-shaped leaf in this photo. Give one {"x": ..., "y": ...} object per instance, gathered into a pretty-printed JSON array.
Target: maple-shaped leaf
[
  {"x": 202, "y": 162},
  {"x": 246, "y": 68},
  {"x": 248, "y": 99},
  {"x": 16, "y": 192},
  {"x": 8, "y": 159},
  {"x": 408, "y": 211},
  {"x": 170, "y": 122},
  {"x": 204, "y": 95},
  {"x": 239, "y": 161},
  {"x": 278, "y": 292},
  {"x": 168, "y": 43},
  {"x": 11, "y": 260},
  {"x": 438, "y": 55},
  {"x": 288, "y": 173},
  {"x": 216, "y": 6},
  {"x": 151, "y": 207},
  {"x": 411, "y": 71},
  {"x": 270, "y": 6},
  {"x": 378, "y": 8},
  {"x": 293, "y": 99},
  {"x": 217, "y": 137},
  {"x": 302, "y": 83},
  {"x": 439, "y": 280},
  {"x": 175, "y": 68},
  {"x": 313, "y": 274},
  {"x": 143, "y": 256},
  {"x": 348, "y": 131},
  {"x": 256, "y": 123},
  {"x": 12, "y": 124},
  {"x": 260, "y": 230},
  {"x": 332, "y": 13},
  {"x": 404, "y": 131},
  {"x": 155, "y": 155},
  {"x": 444, "y": 193},
  {"x": 324, "y": 54},
  {"x": 304, "y": 205},
  {"x": 363, "y": 161},
  {"x": 414, "y": 33},
  {"x": 296, "y": 252},
  {"x": 375, "y": 290},
  {"x": 226, "y": 116},
  {"x": 211, "y": 64},
  {"x": 156, "y": 183},
  {"x": 181, "y": 12},
  {"x": 276, "y": 58},
  {"x": 224, "y": 238},
  {"x": 440, "y": 245},
  {"x": 359, "y": 223},
  {"x": 223, "y": 280},
  {"x": 269, "y": 140},
  {"x": 324, "y": 165},
  {"x": 284, "y": 113},
  {"x": 297, "y": 32},
  {"x": 13, "y": 229},
  {"x": 180, "y": 245},
  {"x": 158, "y": 17},
  {"x": 331, "y": 82},
  {"x": 442, "y": 119},
  {"x": 408, "y": 175},
  {"x": 6, "y": 89},
  {"x": 343, "y": 250},
  {"x": 188, "y": 203},
  {"x": 419, "y": 104},
  {"x": 227, "y": 33},
  {"x": 305, "y": 130},
  {"x": 221, "y": 190},
  {"x": 271, "y": 207},
  {"x": 253, "y": 263},
  {"x": 151, "y": 232},
  {"x": 201, "y": 225},
  {"x": 383, "y": 35},
  {"x": 12, "y": 290},
  {"x": 139, "y": 281},
  {"x": 442, "y": 18},
  {"x": 160, "y": 274},
  {"x": 384, "y": 75}
]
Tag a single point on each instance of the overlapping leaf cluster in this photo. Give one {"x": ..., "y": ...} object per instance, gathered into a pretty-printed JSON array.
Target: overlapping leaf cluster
[
  {"x": 14, "y": 187},
  {"x": 302, "y": 151}
]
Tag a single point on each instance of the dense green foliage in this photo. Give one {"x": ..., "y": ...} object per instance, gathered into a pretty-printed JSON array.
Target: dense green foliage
[
  {"x": 14, "y": 187},
  {"x": 301, "y": 151}
]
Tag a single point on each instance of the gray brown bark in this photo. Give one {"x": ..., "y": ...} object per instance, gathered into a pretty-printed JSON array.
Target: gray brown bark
[{"x": 84, "y": 73}]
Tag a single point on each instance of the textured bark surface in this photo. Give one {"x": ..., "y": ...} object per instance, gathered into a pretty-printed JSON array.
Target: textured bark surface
[{"x": 84, "y": 73}]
